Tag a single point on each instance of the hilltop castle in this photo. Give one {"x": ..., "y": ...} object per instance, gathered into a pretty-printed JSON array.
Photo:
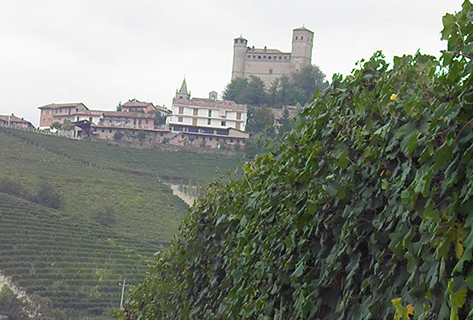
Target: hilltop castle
[{"x": 269, "y": 64}]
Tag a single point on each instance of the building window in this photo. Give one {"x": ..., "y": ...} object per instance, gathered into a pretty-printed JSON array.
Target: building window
[
  {"x": 223, "y": 124},
  {"x": 238, "y": 116},
  {"x": 179, "y": 119},
  {"x": 196, "y": 112},
  {"x": 270, "y": 70},
  {"x": 237, "y": 125},
  {"x": 259, "y": 57},
  {"x": 269, "y": 57},
  {"x": 209, "y": 122},
  {"x": 296, "y": 38},
  {"x": 110, "y": 130},
  {"x": 181, "y": 110},
  {"x": 194, "y": 122},
  {"x": 279, "y": 58},
  {"x": 77, "y": 119},
  {"x": 90, "y": 119},
  {"x": 210, "y": 113},
  {"x": 302, "y": 38},
  {"x": 103, "y": 130}
]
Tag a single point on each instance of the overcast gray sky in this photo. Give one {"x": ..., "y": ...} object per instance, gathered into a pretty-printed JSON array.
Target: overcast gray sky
[{"x": 101, "y": 52}]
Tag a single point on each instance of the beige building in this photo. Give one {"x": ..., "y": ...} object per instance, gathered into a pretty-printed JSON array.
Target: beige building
[
  {"x": 59, "y": 113},
  {"x": 207, "y": 121},
  {"x": 15, "y": 122},
  {"x": 269, "y": 64}
]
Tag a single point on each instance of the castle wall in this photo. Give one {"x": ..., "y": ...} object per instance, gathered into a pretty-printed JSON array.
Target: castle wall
[{"x": 269, "y": 64}]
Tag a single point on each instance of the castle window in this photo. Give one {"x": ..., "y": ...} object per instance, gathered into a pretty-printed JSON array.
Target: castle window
[
  {"x": 296, "y": 38},
  {"x": 242, "y": 41},
  {"x": 269, "y": 57},
  {"x": 270, "y": 70},
  {"x": 302, "y": 38},
  {"x": 259, "y": 57},
  {"x": 249, "y": 57},
  {"x": 264, "y": 57},
  {"x": 279, "y": 58}
]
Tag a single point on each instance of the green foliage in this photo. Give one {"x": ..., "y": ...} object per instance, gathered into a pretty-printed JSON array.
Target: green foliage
[
  {"x": 11, "y": 306},
  {"x": 259, "y": 119},
  {"x": 105, "y": 216},
  {"x": 366, "y": 204},
  {"x": 299, "y": 87},
  {"x": 250, "y": 91},
  {"x": 48, "y": 196},
  {"x": 117, "y": 136}
]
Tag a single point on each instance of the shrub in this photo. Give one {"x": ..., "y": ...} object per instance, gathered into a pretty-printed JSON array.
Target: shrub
[{"x": 47, "y": 196}]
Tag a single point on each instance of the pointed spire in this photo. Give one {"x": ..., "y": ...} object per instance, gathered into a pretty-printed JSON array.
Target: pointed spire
[
  {"x": 182, "y": 93},
  {"x": 183, "y": 89}
]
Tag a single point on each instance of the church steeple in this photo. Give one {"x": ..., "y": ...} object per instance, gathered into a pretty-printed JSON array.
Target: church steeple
[{"x": 182, "y": 93}]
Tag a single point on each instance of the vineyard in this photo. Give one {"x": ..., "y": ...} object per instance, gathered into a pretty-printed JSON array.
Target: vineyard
[
  {"x": 110, "y": 215},
  {"x": 75, "y": 263}
]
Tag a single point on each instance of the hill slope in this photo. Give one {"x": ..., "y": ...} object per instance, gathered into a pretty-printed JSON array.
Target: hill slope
[{"x": 70, "y": 253}]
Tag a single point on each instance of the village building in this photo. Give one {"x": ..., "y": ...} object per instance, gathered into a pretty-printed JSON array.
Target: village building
[
  {"x": 269, "y": 64},
  {"x": 15, "y": 122},
  {"x": 61, "y": 113},
  {"x": 207, "y": 122}
]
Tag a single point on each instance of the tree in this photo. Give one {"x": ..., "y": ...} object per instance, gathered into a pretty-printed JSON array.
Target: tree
[
  {"x": 11, "y": 306},
  {"x": 249, "y": 91},
  {"x": 119, "y": 106},
  {"x": 259, "y": 119},
  {"x": 48, "y": 196}
]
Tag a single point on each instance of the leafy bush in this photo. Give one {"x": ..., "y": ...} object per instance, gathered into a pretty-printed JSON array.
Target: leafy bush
[
  {"x": 118, "y": 136},
  {"x": 363, "y": 212},
  {"x": 105, "y": 216},
  {"x": 48, "y": 196}
]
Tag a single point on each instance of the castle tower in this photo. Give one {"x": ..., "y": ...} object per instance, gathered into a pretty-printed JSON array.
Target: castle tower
[
  {"x": 239, "y": 51},
  {"x": 302, "y": 43}
]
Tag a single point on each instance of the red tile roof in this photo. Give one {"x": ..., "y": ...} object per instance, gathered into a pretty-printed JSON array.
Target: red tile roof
[
  {"x": 63, "y": 105},
  {"x": 115, "y": 114},
  {"x": 12, "y": 118},
  {"x": 215, "y": 104},
  {"x": 136, "y": 103}
]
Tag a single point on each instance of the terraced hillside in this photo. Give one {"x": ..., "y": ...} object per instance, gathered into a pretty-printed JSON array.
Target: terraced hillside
[
  {"x": 75, "y": 263},
  {"x": 69, "y": 253},
  {"x": 183, "y": 165}
]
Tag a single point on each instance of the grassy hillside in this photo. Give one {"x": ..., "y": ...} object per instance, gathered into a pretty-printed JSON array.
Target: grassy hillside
[
  {"x": 69, "y": 253},
  {"x": 187, "y": 166}
]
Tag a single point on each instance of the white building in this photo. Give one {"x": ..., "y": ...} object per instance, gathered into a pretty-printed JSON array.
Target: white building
[{"x": 206, "y": 116}]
